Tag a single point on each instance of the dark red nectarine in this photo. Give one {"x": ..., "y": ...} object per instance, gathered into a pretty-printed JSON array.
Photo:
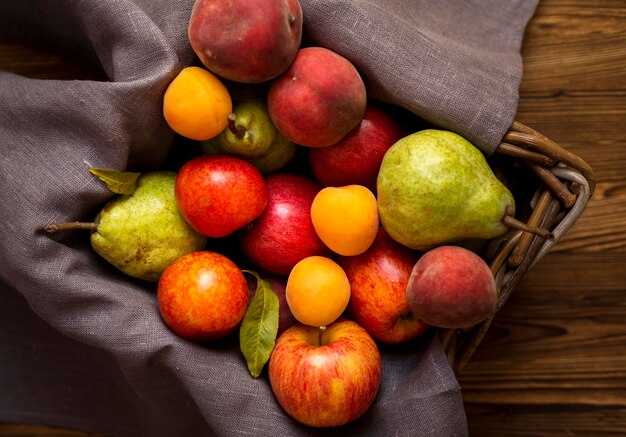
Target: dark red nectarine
[
  {"x": 451, "y": 287},
  {"x": 248, "y": 41},
  {"x": 319, "y": 99}
]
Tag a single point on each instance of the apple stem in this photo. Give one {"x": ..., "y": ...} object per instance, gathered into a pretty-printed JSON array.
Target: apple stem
[
  {"x": 54, "y": 227},
  {"x": 237, "y": 131},
  {"x": 512, "y": 222},
  {"x": 320, "y": 334}
]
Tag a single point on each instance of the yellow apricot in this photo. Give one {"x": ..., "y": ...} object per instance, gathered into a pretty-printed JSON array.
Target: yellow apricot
[
  {"x": 196, "y": 104},
  {"x": 345, "y": 218},
  {"x": 318, "y": 291}
]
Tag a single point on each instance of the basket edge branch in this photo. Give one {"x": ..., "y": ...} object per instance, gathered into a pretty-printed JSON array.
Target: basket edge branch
[{"x": 556, "y": 207}]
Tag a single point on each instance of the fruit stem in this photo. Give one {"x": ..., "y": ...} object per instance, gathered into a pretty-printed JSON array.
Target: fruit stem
[
  {"x": 237, "y": 131},
  {"x": 54, "y": 227},
  {"x": 320, "y": 334},
  {"x": 512, "y": 222}
]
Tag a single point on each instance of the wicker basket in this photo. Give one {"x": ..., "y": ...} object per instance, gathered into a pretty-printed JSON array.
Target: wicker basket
[{"x": 557, "y": 186}]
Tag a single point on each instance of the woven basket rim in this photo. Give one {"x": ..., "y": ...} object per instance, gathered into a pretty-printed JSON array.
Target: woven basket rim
[{"x": 565, "y": 184}]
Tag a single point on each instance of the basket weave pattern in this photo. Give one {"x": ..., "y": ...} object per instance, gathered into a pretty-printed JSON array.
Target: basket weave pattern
[{"x": 562, "y": 186}]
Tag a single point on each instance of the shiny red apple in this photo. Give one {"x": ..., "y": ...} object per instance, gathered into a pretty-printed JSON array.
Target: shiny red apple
[
  {"x": 329, "y": 382},
  {"x": 378, "y": 280},
  {"x": 202, "y": 296},
  {"x": 356, "y": 158},
  {"x": 218, "y": 194},
  {"x": 284, "y": 234}
]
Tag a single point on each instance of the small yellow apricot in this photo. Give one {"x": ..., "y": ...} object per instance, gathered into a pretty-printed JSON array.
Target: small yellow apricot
[
  {"x": 346, "y": 218},
  {"x": 196, "y": 104},
  {"x": 318, "y": 291}
]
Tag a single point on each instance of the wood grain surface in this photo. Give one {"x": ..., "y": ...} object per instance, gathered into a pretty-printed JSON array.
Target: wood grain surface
[{"x": 554, "y": 360}]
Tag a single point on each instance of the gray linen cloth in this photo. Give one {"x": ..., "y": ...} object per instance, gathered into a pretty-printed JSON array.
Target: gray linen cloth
[{"x": 83, "y": 346}]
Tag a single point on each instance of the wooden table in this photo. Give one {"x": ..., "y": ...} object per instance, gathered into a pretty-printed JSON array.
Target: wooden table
[{"x": 554, "y": 361}]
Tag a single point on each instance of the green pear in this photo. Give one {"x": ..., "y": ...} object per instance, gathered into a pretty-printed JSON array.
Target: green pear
[
  {"x": 142, "y": 233},
  {"x": 435, "y": 187},
  {"x": 252, "y": 136},
  {"x": 250, "y": 130},
  {"x": 281, "y": 152}
]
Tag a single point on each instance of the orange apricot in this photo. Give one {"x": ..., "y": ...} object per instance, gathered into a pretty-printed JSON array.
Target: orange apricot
[
  {"x": 346, "y": 218},
  {"x": 318, "y": 291},
  {"x": 196, "y": 104}
]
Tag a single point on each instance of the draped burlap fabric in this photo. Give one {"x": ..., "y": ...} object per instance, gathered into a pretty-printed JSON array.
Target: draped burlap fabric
[{"x": 83, "y": 346}]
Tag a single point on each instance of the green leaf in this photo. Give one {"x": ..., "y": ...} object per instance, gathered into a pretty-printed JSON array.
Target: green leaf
[
  {"x": 120, "y": 182},
  {"x": 257, "y": 334}
]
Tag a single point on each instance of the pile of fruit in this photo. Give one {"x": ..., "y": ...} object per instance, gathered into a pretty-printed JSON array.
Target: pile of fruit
[{"x": 354, "y": 245}]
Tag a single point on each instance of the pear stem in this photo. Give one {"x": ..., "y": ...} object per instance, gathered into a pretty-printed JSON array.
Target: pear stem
[
  {"x": 512, "y": 222},
  {"x": 54, "y": 227},
  {"x": 237, "y": 131},
  {"x": 320, "y": 334}
]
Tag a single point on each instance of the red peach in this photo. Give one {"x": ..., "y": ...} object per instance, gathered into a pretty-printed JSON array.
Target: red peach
[
  {"x": 451, "y": 287},
  {"x": 248, "y": 41},
  {"x": 319, "y": 99}
]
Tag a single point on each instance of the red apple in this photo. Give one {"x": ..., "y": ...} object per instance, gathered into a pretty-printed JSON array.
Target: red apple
[
  {"x": 356, "y": 158},
  {"x": 284, "y": 234},
  {"x": 452, "y": 287},
  {"x": 279, "y": 286},
  {"x": 218, "y": 194},
  {"x": 378, "y": 280},
  {"x": 202, "y": 296},
  {"x": 329, "y": 383}
]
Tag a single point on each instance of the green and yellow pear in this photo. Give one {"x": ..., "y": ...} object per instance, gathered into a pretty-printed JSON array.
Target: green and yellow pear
[
  {"x": 252, "y": 136},
  {"x": 250, "y": 130},
  {"x": 435, "y": 187},
  {"x": 281, "y": 152},
  {"x": 142, "y": 233}
]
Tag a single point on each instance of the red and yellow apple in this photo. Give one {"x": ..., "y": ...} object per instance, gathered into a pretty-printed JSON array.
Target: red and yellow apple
[
  {"x": 378, "y": 280},
  {"x": 202, "y": 296},
  {"x": 329, "y": 379}
]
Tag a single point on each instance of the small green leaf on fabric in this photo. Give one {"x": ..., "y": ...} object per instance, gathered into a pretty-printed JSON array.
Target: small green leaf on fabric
[
  {"x": 259, "y": 327},
  {"x": 119, "y": 182}
]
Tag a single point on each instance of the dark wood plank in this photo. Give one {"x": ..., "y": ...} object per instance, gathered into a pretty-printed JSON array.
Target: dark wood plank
[
  {"x": 554, "y": 361},
  {"x": 545, "y": 421},
  {"x": 35, "y": 64},
  {"x": 8, "y": 429}
]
